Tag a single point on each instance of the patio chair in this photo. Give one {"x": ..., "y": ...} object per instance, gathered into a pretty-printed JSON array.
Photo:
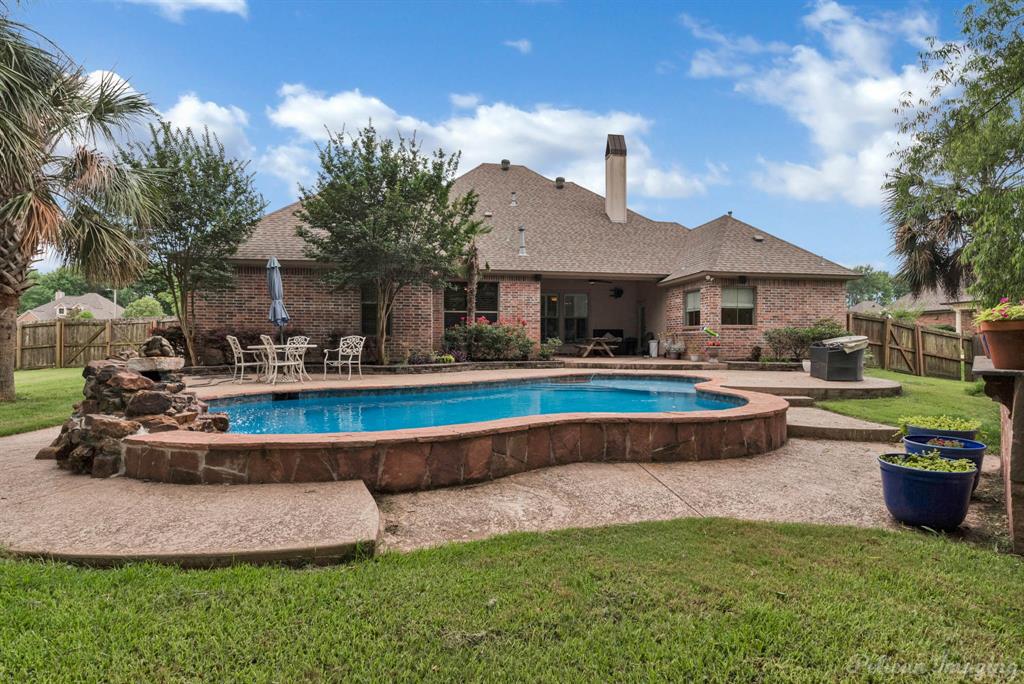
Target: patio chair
[
  {"x": 241, "y": 362},
  {"x": 349, "y": 348},
  {"x": 291, "y": 363}
]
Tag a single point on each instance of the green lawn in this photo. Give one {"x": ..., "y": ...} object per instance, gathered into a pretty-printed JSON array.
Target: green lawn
[
  {"x": 704, "y": 599},
  {"x": 44, "y": 398},
  {"x": 927, "y": 397}
]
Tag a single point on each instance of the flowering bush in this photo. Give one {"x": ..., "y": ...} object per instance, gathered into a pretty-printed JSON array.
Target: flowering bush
[
  {"x": 506, "y": 340},
  {"x": 1004, "y": 311},
  {"x": 548, "y": 348}
]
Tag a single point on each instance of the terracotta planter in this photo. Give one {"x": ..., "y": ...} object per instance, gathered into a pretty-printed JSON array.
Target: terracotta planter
[
  {"x": 712, "y": 353},
  {"x": 1005, "y": 342}
]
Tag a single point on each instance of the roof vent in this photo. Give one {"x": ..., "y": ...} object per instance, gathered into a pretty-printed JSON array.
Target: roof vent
[
  {"x": 522, "y": 240},
  {"x": 505, "y": 163},
  {"x": 514, "y": 202},
  {"x": 560, "y": 182},
  {"x": 758, "y": 237},
  {"x": 729, "y": 212},
  {"x": 488, "y": 214}
]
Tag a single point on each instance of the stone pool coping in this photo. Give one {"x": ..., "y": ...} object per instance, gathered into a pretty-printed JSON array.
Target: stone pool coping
[{"x": 424, "y": 458}]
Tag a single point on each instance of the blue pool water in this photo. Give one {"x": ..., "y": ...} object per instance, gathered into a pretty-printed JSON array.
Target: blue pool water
[{"x": 363, "y": 411}]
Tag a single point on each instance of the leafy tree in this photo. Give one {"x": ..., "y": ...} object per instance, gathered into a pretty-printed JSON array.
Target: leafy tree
[
  {"x": 208, "y": 206},
  {"x": 144, "y": 307},
  {"x": 953, "y": 198},
  {"x": 875, "y": 286},
  {"x": 81, "y": 315},
  {"x": 381, "y": 215},
  {"x": 57, "y": 188}
]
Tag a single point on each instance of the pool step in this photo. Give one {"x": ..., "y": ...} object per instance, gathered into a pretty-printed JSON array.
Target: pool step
[
  {"x": 800, "y": 400},
  {"x": 814, "y": 423}
]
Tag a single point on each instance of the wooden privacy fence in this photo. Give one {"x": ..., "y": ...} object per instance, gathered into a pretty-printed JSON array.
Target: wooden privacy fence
[
  {"x": 915, "y": 349},
  {"x": 72, "y": 343}
]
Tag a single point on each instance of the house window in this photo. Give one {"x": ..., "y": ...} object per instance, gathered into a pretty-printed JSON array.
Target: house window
[
  {"x": 693, "y": 308},
  {"x": 455, "y": 303},
  {"x": 61, "y": 311},
  {"x": 574, "y": 307},
  {"x": 368, "y": 312},
  {"x": 737, "y": 306},
  {"x": 549, "y": 317}
]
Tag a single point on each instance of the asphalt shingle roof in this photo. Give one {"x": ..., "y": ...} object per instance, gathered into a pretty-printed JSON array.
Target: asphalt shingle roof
[
  {"x": 100, "y": 307},
  {"x": 568, "y": 232}
]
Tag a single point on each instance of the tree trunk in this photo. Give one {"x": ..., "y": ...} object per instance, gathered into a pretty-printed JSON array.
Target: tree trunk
[
  {"x": 472, "y": 279},
  {"x": 8, "y": 330},
  {"x": 383, "y": 311}
]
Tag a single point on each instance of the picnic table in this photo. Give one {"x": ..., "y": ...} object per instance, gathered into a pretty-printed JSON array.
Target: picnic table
[{"x": 586, "y": 345}]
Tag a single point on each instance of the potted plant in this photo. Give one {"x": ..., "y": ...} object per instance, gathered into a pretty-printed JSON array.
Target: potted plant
[
  {"x": 940, "y": 426},
  {"x": 713, "y": 347},
  {"x": 948, "y": 447},
  {"x": 927, "y": 490},
  {"x": 1003, "y": 328},
  {"x": 674, "y": 350}
]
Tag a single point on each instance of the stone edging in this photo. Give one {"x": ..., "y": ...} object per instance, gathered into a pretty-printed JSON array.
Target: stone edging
[{"x": 424, "y": 458}]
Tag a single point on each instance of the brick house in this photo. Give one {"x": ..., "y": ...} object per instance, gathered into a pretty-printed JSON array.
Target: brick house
[{"x": 569, "y": 262}]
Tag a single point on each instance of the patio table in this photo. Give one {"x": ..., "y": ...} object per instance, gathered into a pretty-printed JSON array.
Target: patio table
[
  {"x": 601, "y": 344},
  {"x": 278, "y": 348}
]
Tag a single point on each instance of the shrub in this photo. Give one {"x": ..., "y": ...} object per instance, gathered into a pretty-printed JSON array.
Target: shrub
[
  {"x": 144, "y": 307},
  {"x": 548, "y": 348},
  {"x": 444, "y": 358},
  {"x": 421, "y": 358},
  {"x": 485, "y": 341},
  {"x": 213, "y": 348},
  {"x": 793, "y": 343}
]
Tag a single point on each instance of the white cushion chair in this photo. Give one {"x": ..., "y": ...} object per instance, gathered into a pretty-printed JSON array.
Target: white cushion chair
[
  {"x": 244, "y": 358},
  {"x": 349, "y": 349}
]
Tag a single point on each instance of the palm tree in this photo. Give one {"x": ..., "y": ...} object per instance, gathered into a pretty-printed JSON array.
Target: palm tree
[{"x": 58, "y": 190}]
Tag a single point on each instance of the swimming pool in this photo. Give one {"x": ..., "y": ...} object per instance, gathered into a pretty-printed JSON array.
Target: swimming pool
[{"x": 371, "y": 411}]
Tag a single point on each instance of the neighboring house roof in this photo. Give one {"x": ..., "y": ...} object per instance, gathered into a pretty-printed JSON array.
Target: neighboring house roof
[
  {"x": 930, "y": 301},
  {"x": 868, "y": 306},
  {"x": 100, "y": 307},
  {"x": 568, "y": 232}
]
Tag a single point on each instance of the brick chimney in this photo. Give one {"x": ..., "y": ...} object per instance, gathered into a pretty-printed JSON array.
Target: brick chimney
[{"x": 615, "y": 178}]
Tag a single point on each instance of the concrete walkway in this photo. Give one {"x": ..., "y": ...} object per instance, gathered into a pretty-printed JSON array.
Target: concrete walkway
[
  {"x": 815, "y": 423},
  {"x": 832, "y": 482},
  {"x": 50, "y": 513}
]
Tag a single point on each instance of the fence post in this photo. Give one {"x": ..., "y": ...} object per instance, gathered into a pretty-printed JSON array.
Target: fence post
[
  {"x": 17, "y": 345},
  {"x": 919, "y": 350},
  {"x": 886, "y": 331},
  {"x": 110, "y": 338},
  {"x": 58, "y": 356}
]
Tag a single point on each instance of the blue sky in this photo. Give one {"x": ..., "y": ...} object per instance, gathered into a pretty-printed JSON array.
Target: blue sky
[{"x": 780, "y": 112}]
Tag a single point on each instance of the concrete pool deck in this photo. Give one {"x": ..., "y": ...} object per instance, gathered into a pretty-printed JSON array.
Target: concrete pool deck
[
  {"x": 49, "y": 513},
  {"x": 779, "y": 383}
]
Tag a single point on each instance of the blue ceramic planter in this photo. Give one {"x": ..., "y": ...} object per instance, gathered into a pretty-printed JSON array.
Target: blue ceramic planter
[
  {"x": 971, "y": 450},
  {"x": 925, "y": 498},
  {"x": 958, "y": 434}
]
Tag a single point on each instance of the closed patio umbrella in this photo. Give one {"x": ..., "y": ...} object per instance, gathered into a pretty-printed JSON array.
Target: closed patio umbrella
[{"x": 278, "y": 314}]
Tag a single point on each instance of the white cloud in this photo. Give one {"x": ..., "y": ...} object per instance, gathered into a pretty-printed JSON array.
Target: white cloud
[
  {"x": 464, "y": 100},
  {"x": 228, "y": 123},
  {"x": 523, "y": 45},
  {"x": 844, "y": 96},
  {"x": 291, "y": 163},
  {"x": 728, "y": 55},
  {"x": 551, "y": 140},
  {"x": 175, "y": 9}
]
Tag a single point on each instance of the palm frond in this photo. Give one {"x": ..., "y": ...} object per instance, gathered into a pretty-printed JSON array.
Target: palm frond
[
  {"x": 102, "y": 250},
  {"x": 112, "y": 104},
  {"x": 118, "y": 188}
]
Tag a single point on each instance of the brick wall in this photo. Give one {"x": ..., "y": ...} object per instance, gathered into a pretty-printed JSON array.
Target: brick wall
[
  {"x": 417, "y": 319},
  {"x": 777, "y": 303},
  {"x": 519, "y": 298},
  {"x": 313, "y": 308}
]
